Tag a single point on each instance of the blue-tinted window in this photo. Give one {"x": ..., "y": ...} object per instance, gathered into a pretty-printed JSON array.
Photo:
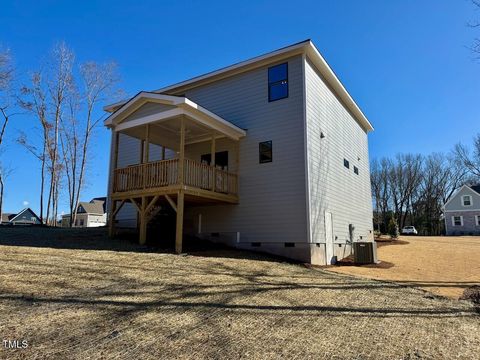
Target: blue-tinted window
[
  {"x": 278, "y": 82},
  {"x": 346, "y": 163}
]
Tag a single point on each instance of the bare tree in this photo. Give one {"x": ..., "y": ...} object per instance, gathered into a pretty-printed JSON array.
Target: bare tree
[
  {"x": 46, "y": 98},
  {"x": 476, "y": 24},
  {"x": 405, "y": 176},
  {"x": 6, "y": 105},
  {"x": 64, "y": 99},
  {"x": 99, "y": 81},
  {"x": 470, "y": 158},
  {"x": 381, "y": 191}
]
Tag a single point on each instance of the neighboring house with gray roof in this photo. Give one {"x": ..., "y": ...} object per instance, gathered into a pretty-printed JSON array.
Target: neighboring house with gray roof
[
  {"x": 6, "y": 217},
  {"x": 25, "y": 217},
  {"x": 462, "y": 211},
  {"x": 89, "y": 214}
]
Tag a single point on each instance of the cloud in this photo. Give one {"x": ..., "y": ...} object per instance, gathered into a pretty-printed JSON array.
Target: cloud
[{"x": 25, "y": 203}]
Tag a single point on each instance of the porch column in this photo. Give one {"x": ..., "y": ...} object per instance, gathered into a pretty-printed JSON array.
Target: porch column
[
  {"x": 111, "y": 220},
  {"x": 147, "y": 144},
  {"x": 143, "y": 222},
  {"x": 179, "y": 229},
  {"x": 212, "y": 151},
  {"x": 180, "y": 195},
  {"x": 212, "y": 161},
  {"x": 181, "y": 164},
  {"x": 145, "y": 154}
]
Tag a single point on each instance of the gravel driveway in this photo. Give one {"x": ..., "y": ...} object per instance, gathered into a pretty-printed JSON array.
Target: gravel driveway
[{"x": 69, "y": 296}]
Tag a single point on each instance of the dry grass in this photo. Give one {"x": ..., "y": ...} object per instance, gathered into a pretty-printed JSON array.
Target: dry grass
[
  {"x": 71, "y": 298},
  {"x": 442, "y": 265}
]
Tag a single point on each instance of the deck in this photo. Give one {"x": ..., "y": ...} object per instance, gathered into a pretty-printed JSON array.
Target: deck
[{"x": 163, "y": 177}]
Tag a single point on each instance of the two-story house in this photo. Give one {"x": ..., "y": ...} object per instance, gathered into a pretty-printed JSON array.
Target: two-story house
[
  {"x": 269, "y": 154},
  {"x": 462, "y": 211}
]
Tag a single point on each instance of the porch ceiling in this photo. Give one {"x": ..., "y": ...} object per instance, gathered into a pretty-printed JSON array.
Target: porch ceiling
[
  {"x": 167, "y": 132},
  {"x": 200, "y": 123}
]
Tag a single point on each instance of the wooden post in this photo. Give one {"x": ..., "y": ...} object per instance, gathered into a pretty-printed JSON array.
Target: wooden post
[
  {"x": 181, "y": 164},
  {"x": 179, "y": 230},
  {"x": 143, "y": 222},
  {"x": 111, "y": 223},
  {"x": 212, "y": 162},
  {"x": 142, "y": 147},
  {"x": 145, "y": 154},
  {"x": 115, "y": 156},
  {"x": 237, "y": 156},
  {"x": 212, "y": 151},
  {"x": 116, "y": 138},
  {"x": 147, "y": 144}
]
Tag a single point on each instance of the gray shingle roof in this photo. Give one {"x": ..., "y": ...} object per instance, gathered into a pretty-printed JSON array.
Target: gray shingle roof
[
  {"x": 6, "y": 217},
  {"x": 93, "y": 207},
  {"x": 475, "y": 188}
]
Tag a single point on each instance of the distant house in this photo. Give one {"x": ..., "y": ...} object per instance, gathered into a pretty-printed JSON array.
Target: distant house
[
  {"x": 6, "y": 217},
  {"x": 462, "y": 212},
  {"x": 24, "y": 217},
  {"x": 89, "y": 214}
]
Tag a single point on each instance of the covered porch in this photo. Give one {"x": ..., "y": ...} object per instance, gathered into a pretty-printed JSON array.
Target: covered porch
[{"x": 187, "y": 169}]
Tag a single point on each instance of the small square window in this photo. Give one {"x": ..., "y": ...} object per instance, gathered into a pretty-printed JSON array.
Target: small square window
[
  {"x": 355, "y": 170},
  {"x": 278, "y": 82},
  {"x": 478, "y": 220},
  {"x": 265, "y": 152},
  {"x": 346, "y": 163},
  {"x": 467, "y": 200}
]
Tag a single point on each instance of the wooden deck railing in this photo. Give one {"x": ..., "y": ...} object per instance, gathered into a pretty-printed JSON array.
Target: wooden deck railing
[{"x": 165, "y": 173}]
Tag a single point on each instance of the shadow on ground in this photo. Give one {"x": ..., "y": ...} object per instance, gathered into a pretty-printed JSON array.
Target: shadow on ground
[{"x": 97, "y": 239}]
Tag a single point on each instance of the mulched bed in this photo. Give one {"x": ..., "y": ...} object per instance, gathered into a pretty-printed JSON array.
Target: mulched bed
[
  {"x": 349, "y": 261},
  {"x": 472, "y": 294},
  {"x": 386, "y": 241}
]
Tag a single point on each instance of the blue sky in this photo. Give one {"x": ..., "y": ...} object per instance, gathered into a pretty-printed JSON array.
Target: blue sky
[{"x": 405, "y": 62}]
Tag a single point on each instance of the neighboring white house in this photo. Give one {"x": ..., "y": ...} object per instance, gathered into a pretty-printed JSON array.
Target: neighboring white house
[
  {"x": 462, "y": 211},
  {"x": 89, "y": 214},
  {"x": 269, "y": 154}
]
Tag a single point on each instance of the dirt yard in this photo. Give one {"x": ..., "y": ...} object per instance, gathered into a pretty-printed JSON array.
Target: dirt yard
[
  {"x": 77, "y": 295},
  {"x": 442, "y": 265}
]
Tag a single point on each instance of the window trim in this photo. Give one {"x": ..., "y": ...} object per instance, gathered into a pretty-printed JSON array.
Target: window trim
[
  {"x": 453, "y": 220},
  {"x": 260, "y": 152},
  {"x": 469, "y": 200},
  {"x": 277, "y": 82}
]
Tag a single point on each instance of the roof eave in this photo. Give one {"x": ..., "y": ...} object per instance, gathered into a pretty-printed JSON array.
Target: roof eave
[
  {"x": 305, "y": 47},
  {"x": 332, "y": 79}
]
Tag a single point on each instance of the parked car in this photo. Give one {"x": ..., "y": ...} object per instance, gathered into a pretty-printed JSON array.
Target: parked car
[{"x": 409, "y": 230}]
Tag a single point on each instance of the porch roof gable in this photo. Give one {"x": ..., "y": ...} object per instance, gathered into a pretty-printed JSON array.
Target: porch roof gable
[{"x": 180, "y": 106}]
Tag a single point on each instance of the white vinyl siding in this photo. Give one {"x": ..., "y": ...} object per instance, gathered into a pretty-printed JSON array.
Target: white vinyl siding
[
  {"x": 333, "y": 138},
  {"x": 456, "y": 202},
  {"x": 272, "y": 196}
]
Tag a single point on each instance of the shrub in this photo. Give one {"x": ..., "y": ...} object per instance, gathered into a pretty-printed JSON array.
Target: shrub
[
  {"x": 472, "y": 293},
  {"x": 393, "y": 228}
]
